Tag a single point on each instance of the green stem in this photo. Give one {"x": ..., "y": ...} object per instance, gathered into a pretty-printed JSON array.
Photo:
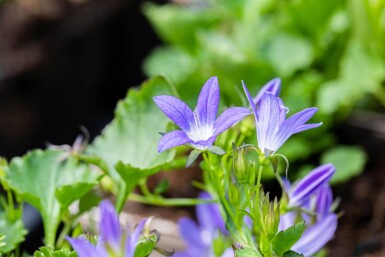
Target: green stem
[
  {"x": 144, "y": 189},
  {"x": 255, "y": 206},
  {"x": 221, "y": 194},
  {"x": 11, "y": 205},
  {"x": 164, "y": 202},
  {"x": 65, "y": 231}
]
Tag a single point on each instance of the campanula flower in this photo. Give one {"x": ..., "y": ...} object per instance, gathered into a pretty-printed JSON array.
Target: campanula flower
[
  {"x": 113, "y": 241},
  {"x": 317, "y": 198},
  {"x": 199, "y": 237},
  {"x": 273, "y": 129},
  {"x": 200, "y": 127}
]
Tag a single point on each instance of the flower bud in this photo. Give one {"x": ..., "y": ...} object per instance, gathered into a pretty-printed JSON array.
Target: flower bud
[{"x": 242, "y": 167}]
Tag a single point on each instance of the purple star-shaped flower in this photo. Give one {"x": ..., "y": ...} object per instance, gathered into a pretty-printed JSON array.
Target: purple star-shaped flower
[
  {"x": 200, "y": 127},
  {"x": 273, "y": 129},
  {"x": 113, "y": 241}
]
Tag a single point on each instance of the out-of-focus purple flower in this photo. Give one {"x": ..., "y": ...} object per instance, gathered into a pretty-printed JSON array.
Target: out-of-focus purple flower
[
  {"x": 273, "y": 129},
  {"x": 113, "y": 241},
  {"x": 318, "y": 199},
  {"x": 273, "y": 87},
  {"x": 200, "y": 127},
  {"x": 301, "y": 191},
  {"x": 199, "y": 237}
]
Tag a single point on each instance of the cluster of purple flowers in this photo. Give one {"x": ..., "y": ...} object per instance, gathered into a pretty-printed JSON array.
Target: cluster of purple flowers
[{"x": 199, "y": 128}]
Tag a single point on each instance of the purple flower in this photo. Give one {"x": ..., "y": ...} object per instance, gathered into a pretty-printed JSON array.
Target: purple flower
[
  {"x": 273, "y": 87},
  {"x": 200, "y": 127},
  {"x": 199, "y": 238},
  {"x": 113, "y": 241},
  {"x": 317, "y": 198},
  {"x": 273, "y": 129},
  {"x": 300, "y": 193}
]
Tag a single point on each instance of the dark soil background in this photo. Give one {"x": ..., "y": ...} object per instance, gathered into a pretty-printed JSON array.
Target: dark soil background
[{"x": 65, "y": 63}]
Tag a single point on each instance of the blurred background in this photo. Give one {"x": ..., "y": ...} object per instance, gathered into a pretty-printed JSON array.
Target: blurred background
[{"x": 65, "y": 63}]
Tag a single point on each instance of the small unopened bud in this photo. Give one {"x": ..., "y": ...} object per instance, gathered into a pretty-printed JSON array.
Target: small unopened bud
[{"x": 243, "y": 168}]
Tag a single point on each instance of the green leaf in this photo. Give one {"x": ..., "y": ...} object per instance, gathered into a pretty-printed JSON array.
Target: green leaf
[
  {"x": 50, "y": 184},
  {"x": 88, "y": 201},
  {"x": 131, "y": 175},
  {"x": 246, "y": 252},
  {"x": 49, "y": 252},
  {"x": 348, "y": 160},
  {"x": 145, "y": 246},
  {"x": 12, "y": 232},
  {"x": 132, "y": 137},
  {"x": 284, "y": 240},
  {"x": 216, "y": 150},
  {"x": 292, "y": 254},
  {"x": 194, "y": 154}
]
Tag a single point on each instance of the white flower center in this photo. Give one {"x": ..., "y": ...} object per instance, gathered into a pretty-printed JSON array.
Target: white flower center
[{"x": 199, "y": 131}]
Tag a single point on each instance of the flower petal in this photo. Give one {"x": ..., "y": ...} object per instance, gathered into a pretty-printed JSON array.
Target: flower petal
[
  {"x": 191, "y": 233},
  {"x": 324, "y": 201},
  {"x": 172, "y": 139},
  {"x": 286, "y": 220},
  {"x": 306, "y": 127},
  {"x": 109, "y": 226},
  {"x": 209, "y": 215},
  {"x": 208, "y": 101},
  {"x": 84, "y": 248},
  {"x": 294, "y": 124},
  {"x": 307, "y": 186},
  {"x": 177, "y": 110},
  {"x": 251, "y": 101},
  {"x": 273, "y": 87},
  {"x": 229, "y": 117},
  {"x": 268, "y": 124},
  {"x": 132, "y": 240},
  {"x": 316, "y": 236}
]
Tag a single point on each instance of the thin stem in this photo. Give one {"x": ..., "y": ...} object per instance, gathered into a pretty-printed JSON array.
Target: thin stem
[
  {"x": 66, "y": 229},
  {"x": 11, "y": 205},
  {"x": 221, "y": 194},
  {"x": 144, "y": 189},
  {"x": 164, "y": 202}
]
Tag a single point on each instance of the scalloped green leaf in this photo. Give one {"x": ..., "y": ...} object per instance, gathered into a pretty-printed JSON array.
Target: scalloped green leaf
[
  {"x": 12, "y": 232},
  {"x": 284, "y": 240},
  {"x": 50, "y": 184},
  {"x": 132, "y": 137}
]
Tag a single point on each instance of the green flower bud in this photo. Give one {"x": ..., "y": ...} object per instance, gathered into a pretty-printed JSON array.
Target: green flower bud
[{"x": 242, "y": 167}]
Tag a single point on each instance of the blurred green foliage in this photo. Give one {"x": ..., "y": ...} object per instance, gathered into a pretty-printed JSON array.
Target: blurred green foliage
[{"x": 329, "y": 54}]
